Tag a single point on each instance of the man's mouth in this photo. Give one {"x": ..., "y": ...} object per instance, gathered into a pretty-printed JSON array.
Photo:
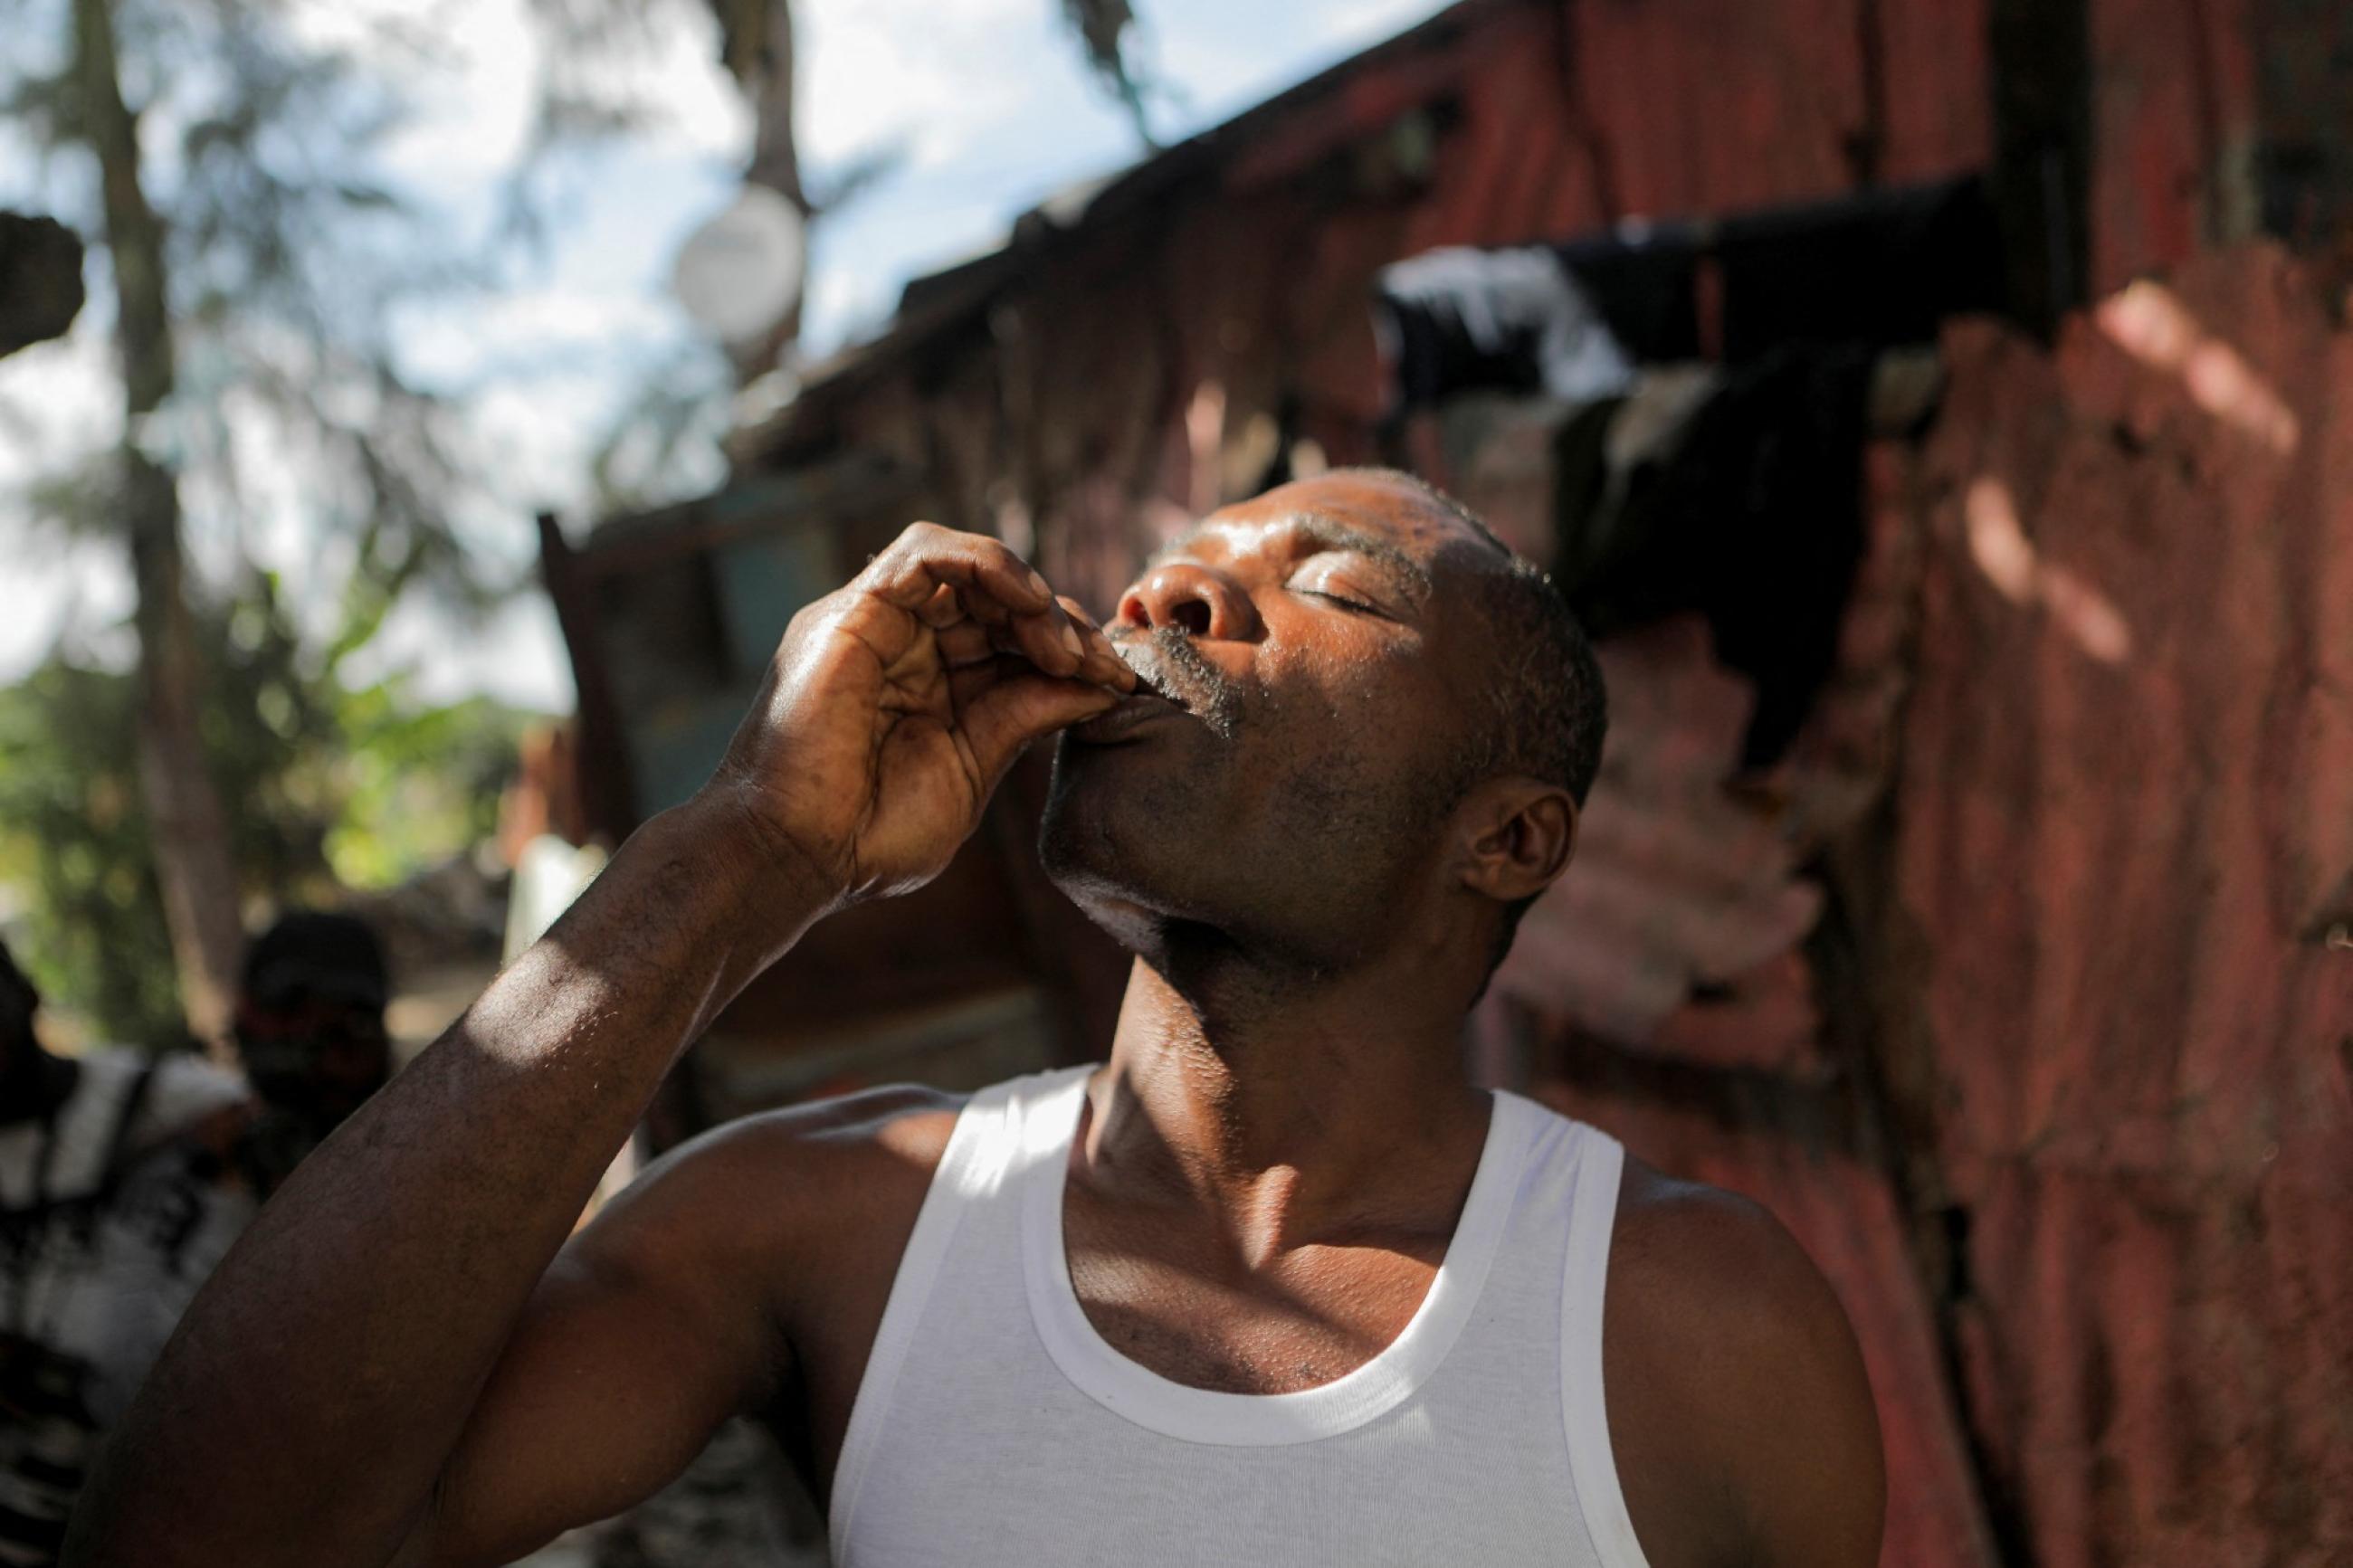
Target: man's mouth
[
  {"x": 1136, "y": 711},
  {"x": 1176, "y": 678},
  {"x": 1169, "y": 667},
  {"x": 1155, "y": 698},
  {"x": 1152, "y": 682}
]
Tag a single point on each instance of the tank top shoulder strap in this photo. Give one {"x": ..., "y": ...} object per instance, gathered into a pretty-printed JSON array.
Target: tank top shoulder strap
[
  {"x": 980, "y": 1152},
  {"x": 1601, "y": 1165}
]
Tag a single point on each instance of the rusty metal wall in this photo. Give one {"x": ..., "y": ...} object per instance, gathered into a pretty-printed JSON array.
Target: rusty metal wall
[
  {"x": 2123, "y": 864},
  {"x": 2024, "y": 993}
]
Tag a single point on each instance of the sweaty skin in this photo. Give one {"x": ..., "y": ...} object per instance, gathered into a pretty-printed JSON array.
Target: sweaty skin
[{"x": 405, "y": 1361}]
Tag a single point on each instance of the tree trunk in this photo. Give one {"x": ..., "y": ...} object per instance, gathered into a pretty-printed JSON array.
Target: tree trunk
[
  {"x": 761, "y": 56},
  {"x": 192, "y": 861},
  {"x": 758, "y": 49}
]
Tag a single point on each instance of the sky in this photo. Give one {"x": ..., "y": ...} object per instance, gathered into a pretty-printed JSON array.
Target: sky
[{"x": 987, "y": 105}]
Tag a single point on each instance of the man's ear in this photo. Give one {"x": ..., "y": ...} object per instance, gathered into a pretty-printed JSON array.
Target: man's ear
[{"x": 1520, "y": 834}]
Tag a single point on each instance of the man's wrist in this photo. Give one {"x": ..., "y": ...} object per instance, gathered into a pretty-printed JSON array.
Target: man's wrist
[{"x": 767, "y": 889}]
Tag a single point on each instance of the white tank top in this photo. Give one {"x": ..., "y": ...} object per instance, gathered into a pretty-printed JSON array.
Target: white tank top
[{"x": 996, "y": 1428}]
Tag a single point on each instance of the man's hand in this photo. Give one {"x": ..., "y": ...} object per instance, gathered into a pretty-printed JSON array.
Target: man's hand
[{"x": 894, "y": 706}]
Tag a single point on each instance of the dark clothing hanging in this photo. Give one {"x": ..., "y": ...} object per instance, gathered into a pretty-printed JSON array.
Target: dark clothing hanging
[
  {"x": 1754, "y": 518},
  {"x": 1883, "y": 267},
  {"x": 1514, "y": 321}
]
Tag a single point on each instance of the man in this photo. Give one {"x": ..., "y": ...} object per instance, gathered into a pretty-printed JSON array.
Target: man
[
  {"x": 310, "y": 1033},
  {"x": 1274, "y": 1285},
  {"x": 124, "y": 1180},
  {"x": 114, "y": 1202}
]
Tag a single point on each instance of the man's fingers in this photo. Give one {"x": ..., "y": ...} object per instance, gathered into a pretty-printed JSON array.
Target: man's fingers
[
  {"x": 1050, "y": 641},
  {"x": 1102, "y": 660},
  {"x": 967, "y": 643},
  {"x": 1005, "y": 715},
  {"x": 932, "y": 572},
  {"x": 945, "y": 608},
  {"x": 926, "y": 556},
  {"x": 967, "y": 682},
  {"x": 975, "y": 656}
]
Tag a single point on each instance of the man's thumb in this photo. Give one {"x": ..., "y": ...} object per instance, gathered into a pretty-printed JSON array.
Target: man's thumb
[{"x": 1005, "y": 718}]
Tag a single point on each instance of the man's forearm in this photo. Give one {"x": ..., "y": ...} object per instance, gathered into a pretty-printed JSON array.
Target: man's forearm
[{"x": 304, "y": 1409}]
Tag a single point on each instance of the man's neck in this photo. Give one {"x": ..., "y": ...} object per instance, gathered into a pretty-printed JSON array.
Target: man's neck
[{"x": 1287, "y": 1115}]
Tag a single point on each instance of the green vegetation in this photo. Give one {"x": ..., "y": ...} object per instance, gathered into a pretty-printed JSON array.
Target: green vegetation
[
  {"x": 257, "y": 270},
  {"x": 329, "y": 788}
]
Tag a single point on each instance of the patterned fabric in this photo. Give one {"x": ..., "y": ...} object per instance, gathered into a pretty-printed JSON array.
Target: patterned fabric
[{"x": 110, "y": 1220}]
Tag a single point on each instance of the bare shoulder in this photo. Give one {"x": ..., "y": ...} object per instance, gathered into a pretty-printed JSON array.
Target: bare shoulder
[
  {"x": 1695, "y": 1252},
  {"x": 1755, "y": 1396},
  {"x": 782, "y": 1188},
  {"x": 784, "y": 1165},
  {"x": 683, "y": 1302},
  {"x": 904, "y": 1120}
]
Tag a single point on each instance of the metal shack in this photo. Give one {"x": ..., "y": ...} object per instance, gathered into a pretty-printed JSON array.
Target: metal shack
[{"x": 1972, "y": 877}]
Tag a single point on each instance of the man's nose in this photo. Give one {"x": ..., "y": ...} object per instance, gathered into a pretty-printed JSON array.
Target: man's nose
[{"x": 1198, "y": 600}]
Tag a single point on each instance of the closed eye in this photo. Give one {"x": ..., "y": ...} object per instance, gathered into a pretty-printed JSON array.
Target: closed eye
[{"x": 1356, "y": 604}]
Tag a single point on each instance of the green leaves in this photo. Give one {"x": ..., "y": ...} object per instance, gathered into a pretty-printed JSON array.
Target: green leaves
[
  {"x": 329, "y": 789},
  {"x": 277, "y": 405}
]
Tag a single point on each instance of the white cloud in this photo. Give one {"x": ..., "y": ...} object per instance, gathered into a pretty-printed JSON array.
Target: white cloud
[
  {"x": 529, "y": 334},
  {"x": 516, "y": 655},
  {"x": 934, "y": 78},
  {"x": 1358, "y": 23},
  {"x": 474, "y": 96},
  {"x": 845, "y": 302},
  {"x": 83, "y": 586},
  {"x": 66, "y": 397}
]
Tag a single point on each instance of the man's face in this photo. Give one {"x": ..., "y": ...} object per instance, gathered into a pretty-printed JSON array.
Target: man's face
[
  {"x": 312, "y": 1047},
  {"x": 1320, "y": 649}
]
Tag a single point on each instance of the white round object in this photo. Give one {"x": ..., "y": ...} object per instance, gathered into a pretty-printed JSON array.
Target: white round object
[{"x": 740, "y": 272}]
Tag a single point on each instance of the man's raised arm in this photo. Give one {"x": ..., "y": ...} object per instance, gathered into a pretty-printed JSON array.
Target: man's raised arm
[{"x": 315, "y": 1394}]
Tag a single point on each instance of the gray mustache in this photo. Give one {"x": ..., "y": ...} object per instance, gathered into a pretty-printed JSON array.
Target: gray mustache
[{"x": 1180, "y": 669}]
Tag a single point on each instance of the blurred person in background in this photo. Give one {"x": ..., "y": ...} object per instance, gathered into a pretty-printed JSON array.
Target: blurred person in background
[
  {"x": 1273, "y": 1284},
  {"x": 117, "y": 1197},
  {"x": 310, "y": 1031},
  {"x": 125, "y": 1178}
]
